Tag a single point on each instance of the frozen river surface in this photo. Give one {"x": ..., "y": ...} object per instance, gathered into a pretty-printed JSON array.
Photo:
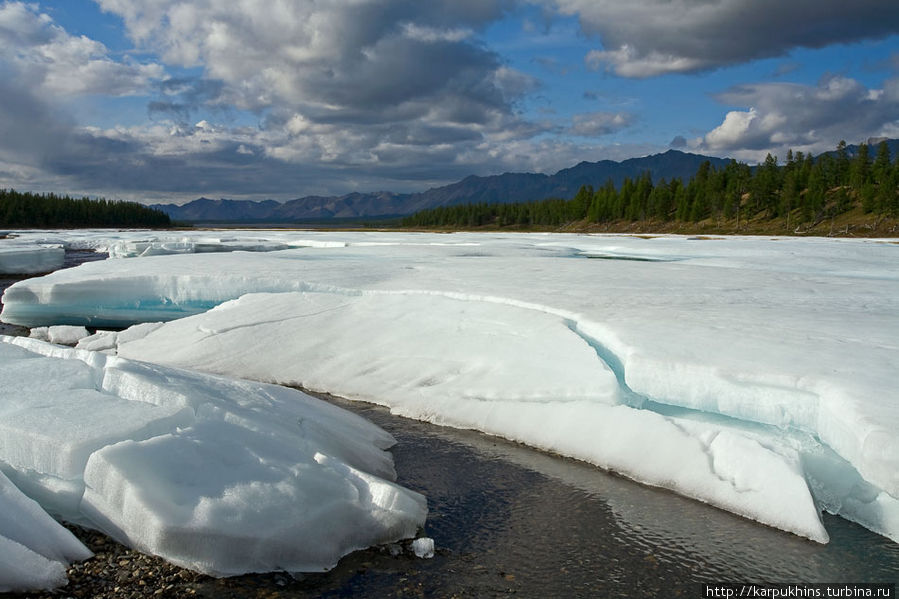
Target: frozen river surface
[{"x": 751, "y": 374}]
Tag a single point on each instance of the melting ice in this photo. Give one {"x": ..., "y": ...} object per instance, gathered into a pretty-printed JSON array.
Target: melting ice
[
  {"x": 752, "y": 374},
  {"x": 217, "y": 475}
]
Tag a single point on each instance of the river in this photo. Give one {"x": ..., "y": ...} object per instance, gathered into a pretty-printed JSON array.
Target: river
[{"x": 508, "y": 519}]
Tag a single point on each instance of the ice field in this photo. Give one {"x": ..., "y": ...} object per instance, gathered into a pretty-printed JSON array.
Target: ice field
[{"x": 754, "y": 374}]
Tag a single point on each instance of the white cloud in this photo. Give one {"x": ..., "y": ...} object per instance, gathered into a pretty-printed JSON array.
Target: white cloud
[
  {"x": 803, "y": 117},
  {"x": 595, "y": 124},
  {"x": 626, "y": 62},
  {"x": 730, "y": 133},
  {"x": 44, "y": 56},
  {"x": 330, "y": 55}
]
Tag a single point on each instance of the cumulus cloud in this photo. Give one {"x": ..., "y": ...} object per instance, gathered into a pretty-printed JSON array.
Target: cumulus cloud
[
  {"x": 361, "y": 86},
  {"x": 809, "y": 118},
  {"x": 42, "y": 55},
  {"x": 344, "y": 96},
  {"x": 595, "y": 124},
  {"x": 644, "y": 38},
  {"x": 328, "y": 58}
]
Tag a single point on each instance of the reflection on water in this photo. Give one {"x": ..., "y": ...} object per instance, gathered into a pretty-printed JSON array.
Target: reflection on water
[{"x": 559, "y": 527}]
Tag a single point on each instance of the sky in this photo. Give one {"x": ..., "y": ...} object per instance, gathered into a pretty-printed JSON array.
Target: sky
[{"x": 170, "y": 100}]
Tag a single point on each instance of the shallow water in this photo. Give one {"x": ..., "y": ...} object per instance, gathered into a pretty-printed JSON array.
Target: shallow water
[
  {"x": 508, "y": 519},
  {"x": 564, "y": 528}
]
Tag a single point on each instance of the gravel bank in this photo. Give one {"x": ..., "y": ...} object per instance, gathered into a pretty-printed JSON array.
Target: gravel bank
[{"x": 116, "y": 572}]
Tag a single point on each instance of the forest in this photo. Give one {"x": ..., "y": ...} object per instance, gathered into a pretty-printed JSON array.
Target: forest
[
  {"x": 30, "y": 210},
  {"x": 799, "y": 194}
]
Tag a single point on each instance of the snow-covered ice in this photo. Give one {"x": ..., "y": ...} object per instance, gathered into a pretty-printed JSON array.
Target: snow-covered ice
[
  {"x": 218, "y": 475},
  {"x": 754, "y": 374}
]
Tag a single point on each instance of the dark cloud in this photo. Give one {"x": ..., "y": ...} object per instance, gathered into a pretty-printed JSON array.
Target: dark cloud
[
  {"x": 329, "y": 57},
  {"x": 180, "y": 99},
  {"x": 643, "y": 38},
  {"x": 21, "y": 141},
  {"x": 678, "y": 142}
]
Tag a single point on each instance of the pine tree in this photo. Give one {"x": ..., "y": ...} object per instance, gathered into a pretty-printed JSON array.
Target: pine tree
[
  {"x": 881, "y": 168},
  {"x": 861, "y": 168}
]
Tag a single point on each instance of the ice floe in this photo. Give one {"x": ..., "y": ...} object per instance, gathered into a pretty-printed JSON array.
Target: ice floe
[{"x": 218, "y": 475}]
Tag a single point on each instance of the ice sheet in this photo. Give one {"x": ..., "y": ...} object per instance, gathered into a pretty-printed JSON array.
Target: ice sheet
[
  {"x": 787, "y": 343},
  {"x": 218, "y": 475}
]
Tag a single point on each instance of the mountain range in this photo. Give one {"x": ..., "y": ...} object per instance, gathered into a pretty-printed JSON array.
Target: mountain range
[{"x": 505, "y": 188}]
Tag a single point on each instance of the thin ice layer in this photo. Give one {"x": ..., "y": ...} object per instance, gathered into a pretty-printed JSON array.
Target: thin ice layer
[{"x": 218, "y": 475}]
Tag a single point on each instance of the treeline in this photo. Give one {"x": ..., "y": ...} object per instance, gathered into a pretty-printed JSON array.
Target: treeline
[
  {"x": 804, "y": 190},
  {"x": 19, "y": 209}
]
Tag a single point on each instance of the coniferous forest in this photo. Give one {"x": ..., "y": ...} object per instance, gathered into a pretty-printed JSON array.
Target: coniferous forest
[
  {"x": 795, "y": 196},
  {"x": 29, "y": 210}
]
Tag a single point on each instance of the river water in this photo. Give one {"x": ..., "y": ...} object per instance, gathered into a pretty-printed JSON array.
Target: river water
[{"x": 508, "y": 519}]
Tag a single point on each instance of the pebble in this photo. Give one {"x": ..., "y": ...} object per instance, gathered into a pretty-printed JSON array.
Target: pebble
[{"x": 117, "y": 572}]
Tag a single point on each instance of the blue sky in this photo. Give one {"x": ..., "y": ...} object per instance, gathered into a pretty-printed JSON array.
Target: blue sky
[{"x": 169, "y": 100}]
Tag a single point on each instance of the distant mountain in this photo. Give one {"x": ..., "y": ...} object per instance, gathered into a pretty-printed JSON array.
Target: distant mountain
[
  {"x": 506, "y": 188},
  {"x": 352, "y": 205},
  {"x": 523, "y": 187},
  {"x": 204, "y": 209}
]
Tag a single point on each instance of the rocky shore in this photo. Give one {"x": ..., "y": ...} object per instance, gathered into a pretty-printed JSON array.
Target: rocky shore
[{"x": 117, "y": 572}]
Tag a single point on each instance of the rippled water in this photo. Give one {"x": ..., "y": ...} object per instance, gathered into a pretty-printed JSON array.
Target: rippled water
[
  {"x": 563, "y": 528},
  {"x": 507, "y": 519}
]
